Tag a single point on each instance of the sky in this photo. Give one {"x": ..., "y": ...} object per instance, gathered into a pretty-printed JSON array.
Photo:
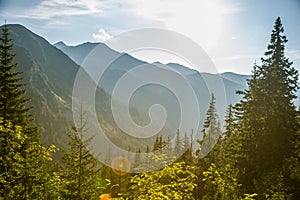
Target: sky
[{"x": 234, "y": 33}]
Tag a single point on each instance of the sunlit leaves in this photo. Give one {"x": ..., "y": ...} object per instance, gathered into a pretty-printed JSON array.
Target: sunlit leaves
[{"x": 175, "y": 181}]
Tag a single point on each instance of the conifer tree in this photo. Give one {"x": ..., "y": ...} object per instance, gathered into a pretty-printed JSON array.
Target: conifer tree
[
  {"x": 187, "y": 156},
  {"x": 229, "y": 146},
  {"x": 160, "y": 142},
  {"x": 13, "y": 103},
  {"x": 177, "y": 144},
  {"x": 267, "y": 113},
  {"x": 147, "y": 149},
  {"x": 211, "y": 129},
  {"x": 81, "y": 167},
  {"x": 211, "y": 115},
  {"x": 156, "y": 144},
  {"x": 168, "y": 145},
  {"x": 29, "y": 159},
  {"x": 230, "y": 122}
]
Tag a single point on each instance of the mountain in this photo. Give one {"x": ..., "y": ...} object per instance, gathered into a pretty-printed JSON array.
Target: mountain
[
  {"x": 125, "y": 62},
  {"x": 49, "y": 75},
  {"x": 119, "y": 64},
  {"x": 60, "y": 45}
]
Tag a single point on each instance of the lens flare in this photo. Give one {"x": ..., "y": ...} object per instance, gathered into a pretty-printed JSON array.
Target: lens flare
[{"x": 120, "y": 165}]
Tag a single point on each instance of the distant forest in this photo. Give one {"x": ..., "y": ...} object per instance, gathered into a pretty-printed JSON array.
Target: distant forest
[{"x": 255, "y": 156}]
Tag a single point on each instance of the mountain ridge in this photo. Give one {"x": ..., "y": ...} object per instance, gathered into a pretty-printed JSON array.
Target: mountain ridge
[{"x": 61, "y": 47}]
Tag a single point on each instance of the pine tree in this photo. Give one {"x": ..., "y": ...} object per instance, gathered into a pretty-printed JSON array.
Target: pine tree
[
  {"x": 267, "y": 113},
  {"x": 228, "y": 147},
  {"x": 160, "y": 142},
  {"x": 177, "y": 144},
  {"x": 230, "y": 122},
  {"x": 211, "y": 115},
  {"x": 168, "y": 147},
  {"x": 187, "y": 156},
  {"x": 208, "y": 151},
  {"x": 81, "y": 167},
  {"x": 13, "y": 103},
  {"x": 211, "y": 129},
  {"x": 30, "y": 161},
  {"x": 156, "y": 144}
]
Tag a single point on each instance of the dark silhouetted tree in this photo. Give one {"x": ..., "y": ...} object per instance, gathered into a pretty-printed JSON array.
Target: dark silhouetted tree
[{"x": 268, "y": 114}]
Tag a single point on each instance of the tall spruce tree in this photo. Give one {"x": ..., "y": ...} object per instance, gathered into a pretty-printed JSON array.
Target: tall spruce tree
[
  {"x": 211, "y": 115},
  {"x": 81, "y": 167},
  {"x": 24, "y": 163},
  {"x": 211, "y": 129},
  {"x": 13, "y": 103},
  {"x": 267, "y": 113},
  {"x": 229, "y": 147}
]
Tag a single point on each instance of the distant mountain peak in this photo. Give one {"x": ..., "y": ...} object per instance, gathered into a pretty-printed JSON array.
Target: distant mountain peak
[
  {"x": 60, "y": 44},
  {"x": 89, "y": 43}
]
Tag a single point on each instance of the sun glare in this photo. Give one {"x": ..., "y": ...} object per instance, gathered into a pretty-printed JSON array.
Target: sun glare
[{"x": 200, "y": 20}]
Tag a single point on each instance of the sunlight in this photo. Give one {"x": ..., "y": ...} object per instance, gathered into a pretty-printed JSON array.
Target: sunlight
[{"x": 199, "y": 20}]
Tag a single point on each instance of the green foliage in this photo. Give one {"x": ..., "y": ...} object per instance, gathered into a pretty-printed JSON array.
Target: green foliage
[
  {"x": 221, "y": 183},
  {"x": 258, "y": 153},
  {"x": 293, "y": 166},
  {"x": 211, "y": 129},
  {"x": 25, "y": 164},
  {"x": 177, "y": 144},
  {"x": 41, "y": 181},
  {"x": 81, "y": 168},
  {"x": 187, "y": 156},
  {"x": 249, "y": 196},
  {"x": 12, "y": 100},
  {"x": 230, "y": 120},
  {"x": 24, "y": 177},
  {"x": 175, "y": 181},
  {"x": 267, "y": 118},
  {"x": 272, "y": 186},
  {"x": 11, "y": 160}
]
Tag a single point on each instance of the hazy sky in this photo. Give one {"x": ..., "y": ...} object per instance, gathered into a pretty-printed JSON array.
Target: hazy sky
[{"x": 234, "y": 33}]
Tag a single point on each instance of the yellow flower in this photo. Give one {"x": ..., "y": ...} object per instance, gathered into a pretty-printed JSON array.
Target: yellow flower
[{"x": 105, "y": 197}]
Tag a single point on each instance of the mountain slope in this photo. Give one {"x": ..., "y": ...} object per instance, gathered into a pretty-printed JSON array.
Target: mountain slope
[
  {"x": 125, "y": 62},
  {"x": 120, "y": 64},
  {"x": 49, "y": 75}
]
